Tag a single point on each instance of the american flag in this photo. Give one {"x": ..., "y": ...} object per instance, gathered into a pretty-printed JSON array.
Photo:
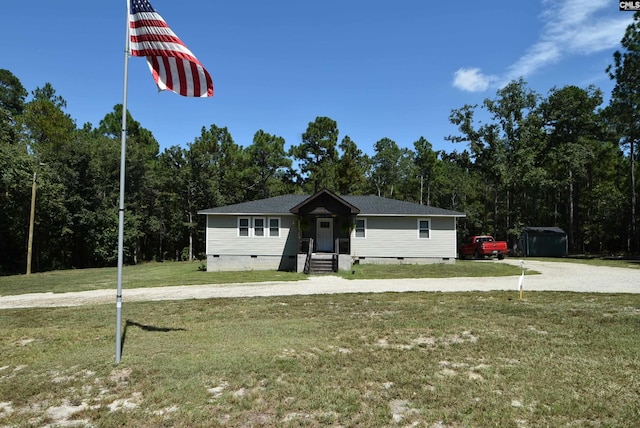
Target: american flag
[{"x": 172, "y": 64}]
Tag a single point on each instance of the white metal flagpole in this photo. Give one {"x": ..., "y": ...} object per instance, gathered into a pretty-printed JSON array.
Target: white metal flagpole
[{"x": 123, "y": 149}]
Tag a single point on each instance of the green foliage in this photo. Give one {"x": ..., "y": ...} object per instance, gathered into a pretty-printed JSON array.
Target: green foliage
[
  {"x": 541, "y": 161},
  {"x": 353, "y": 167},
  {"x": 624, "y": 112},
  {"x": 570, "y": 120},
  {"x": 427, "y": 165},
  {"x": 554, "y": 160},
  {"x": 47, "y": 129},
  {"x": 317, "y": 155},
  {"x": 12, "y": 93},
  {"x": 266, "y": 158},
  {"x": 385, "y": 170},
  {"x": 16, "y": 172},
  {"x": 12, "y": 97}
]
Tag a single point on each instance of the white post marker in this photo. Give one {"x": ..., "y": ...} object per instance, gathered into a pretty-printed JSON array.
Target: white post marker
[{"x": 521, "y": 280}]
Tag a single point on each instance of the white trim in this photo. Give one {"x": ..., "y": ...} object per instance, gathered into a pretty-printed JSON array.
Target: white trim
[
  {"x": 248, "y": 227},
  {"x": 268, "y": 234},
  {"x": 420, "y": 229},
  {"x": 257, "y": 228},
  {"x": 364, "y": 228}
]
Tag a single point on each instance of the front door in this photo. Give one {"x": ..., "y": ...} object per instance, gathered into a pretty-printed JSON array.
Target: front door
[{"x": 324, "y": 234}]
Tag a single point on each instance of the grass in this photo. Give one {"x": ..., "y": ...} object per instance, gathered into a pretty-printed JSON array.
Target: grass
[
  {"x": 393, "y": 359},
  {"x": 593, "y": 261},
  {"x": 461, "y": 268},
  {"x": 165, "y": 274},
  {"x": 143, "y": 275}
]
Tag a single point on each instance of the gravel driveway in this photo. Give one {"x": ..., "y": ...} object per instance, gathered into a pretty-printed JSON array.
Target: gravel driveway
[{"x": 554, "y": 276}]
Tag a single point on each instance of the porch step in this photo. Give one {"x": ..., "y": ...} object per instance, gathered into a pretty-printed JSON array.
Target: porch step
[{"x": 322, "y": 264}]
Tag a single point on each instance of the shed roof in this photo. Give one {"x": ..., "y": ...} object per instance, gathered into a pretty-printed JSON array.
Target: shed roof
[{"x": 541, "y": 229}]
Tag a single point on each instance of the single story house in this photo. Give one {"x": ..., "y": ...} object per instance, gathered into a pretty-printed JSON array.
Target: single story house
[
  {"x": 327, "y": 232},
  {"x": 543, "y": 242}
]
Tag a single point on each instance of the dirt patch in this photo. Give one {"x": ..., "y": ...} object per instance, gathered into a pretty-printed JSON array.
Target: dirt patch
[
  {"x": 425, "y": 341},
  {"x": 401, "y": 409},
  {"x": 93, "y": 393}
]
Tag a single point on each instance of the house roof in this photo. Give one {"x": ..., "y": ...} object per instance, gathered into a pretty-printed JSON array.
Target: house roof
[{"x": 369, "y": 205}]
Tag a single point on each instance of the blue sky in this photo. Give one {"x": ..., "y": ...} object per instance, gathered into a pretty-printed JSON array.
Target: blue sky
[{"x": 378, "y": 68}]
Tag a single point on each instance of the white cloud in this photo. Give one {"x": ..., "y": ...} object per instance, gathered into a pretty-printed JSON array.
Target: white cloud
[
  {"x": 472, "y": 80},
  {"x": 538, "y": 55},
  {"x": 605, "y": 35},
  {"x": 571, "y": 27}
]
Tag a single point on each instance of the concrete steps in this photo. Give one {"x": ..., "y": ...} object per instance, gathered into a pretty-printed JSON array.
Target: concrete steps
[{"x": 322, "y": 264}]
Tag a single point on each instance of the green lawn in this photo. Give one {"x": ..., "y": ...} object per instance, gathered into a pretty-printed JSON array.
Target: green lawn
[
  {"x": 143, "y": 275},
  {"x": 459, "y": 269},
  {"x": 146, "y": 275},
  {"x": 391, "y": 359},
  {"x": 593, "y": 261}
]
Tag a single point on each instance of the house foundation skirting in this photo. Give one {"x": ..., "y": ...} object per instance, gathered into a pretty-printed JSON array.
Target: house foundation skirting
[
  {"x": 402, "y": 260},
  {"x": 218, "y": 263}
]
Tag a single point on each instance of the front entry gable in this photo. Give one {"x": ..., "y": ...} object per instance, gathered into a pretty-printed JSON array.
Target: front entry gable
[
  {"x": 325, "y": 222},
  {"x": 325, "y": 202}
]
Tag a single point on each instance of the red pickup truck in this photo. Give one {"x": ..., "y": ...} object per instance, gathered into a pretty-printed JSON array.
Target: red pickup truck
[{"x": 484, "y": 245}]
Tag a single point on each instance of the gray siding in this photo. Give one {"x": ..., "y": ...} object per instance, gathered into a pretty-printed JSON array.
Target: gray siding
[
  {"x": 398, "y": 237},
  {"x": 223, "y": 239}
]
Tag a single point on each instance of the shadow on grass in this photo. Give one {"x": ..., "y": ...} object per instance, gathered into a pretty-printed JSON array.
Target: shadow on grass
[{"x": 149, "y": 328}]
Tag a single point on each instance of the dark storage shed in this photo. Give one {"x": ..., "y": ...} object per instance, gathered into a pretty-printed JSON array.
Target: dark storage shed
[{"x": 543, "y": 242}]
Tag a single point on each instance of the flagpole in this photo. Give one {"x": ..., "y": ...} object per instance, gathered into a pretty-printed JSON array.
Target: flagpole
[{"x": 123, "y": 149}]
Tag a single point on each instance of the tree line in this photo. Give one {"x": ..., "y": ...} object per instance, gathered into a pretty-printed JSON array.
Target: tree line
[{"x": 560, "y": 159}]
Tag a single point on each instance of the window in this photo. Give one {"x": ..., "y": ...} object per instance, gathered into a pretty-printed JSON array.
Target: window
[
  {"x": 274, "y": 227},
  {"x": 258, "y": 226},
  {"x": 361, "y": 228},
  {"x": 424, "y": 229},
  {"x": 243, "y": 226}
]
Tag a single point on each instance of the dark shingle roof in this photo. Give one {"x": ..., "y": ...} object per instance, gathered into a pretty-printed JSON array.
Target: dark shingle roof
[
  {"x": 275, "y": 205},
  {"x": 375, "y": 205},
  {"x": 368, "y": 205}
]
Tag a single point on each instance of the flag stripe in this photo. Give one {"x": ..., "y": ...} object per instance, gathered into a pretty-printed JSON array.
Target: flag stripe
[
  {"x": 172, "y": 64},
  {"x": 182, "y": 75},
  {"x": 169, "y": 51}
]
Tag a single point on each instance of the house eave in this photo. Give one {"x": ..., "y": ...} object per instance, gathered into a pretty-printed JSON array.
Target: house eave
[
  {"x": 246, "y": 213},
  {"x": 358, "y": 215},
  {"x": 412, "y": 215}
]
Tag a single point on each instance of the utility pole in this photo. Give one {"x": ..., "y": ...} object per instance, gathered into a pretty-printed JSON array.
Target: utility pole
[{"x": 32, "y": 220}]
